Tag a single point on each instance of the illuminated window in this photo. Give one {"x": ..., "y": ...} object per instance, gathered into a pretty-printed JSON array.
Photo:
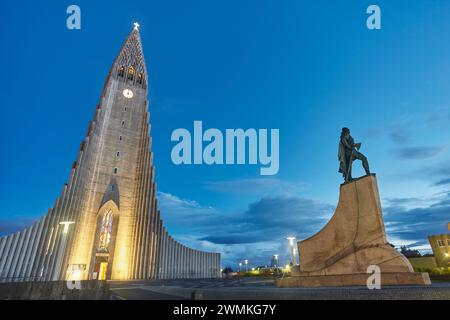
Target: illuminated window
[
  {"x": 140, "y": 77},
  {"x": 448, "y": 242},
  {"x": 105, "y": 230},
  {"x": 122, "y": 71},
  {"x": 131, "y": 73},
  {"x": 440, "y": 243}
]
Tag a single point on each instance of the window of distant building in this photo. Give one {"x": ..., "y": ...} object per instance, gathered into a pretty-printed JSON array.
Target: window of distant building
[
  {"x": 120, "y": 138},
  {"x": 123, "y": 123},
  {"x": 115, "y": 170},
  {"x": 140, "y": 77},
  {"x": 118, "y": 153},
  {"x": 440, "y": 243},
  {"x": 448, "y": 242}
]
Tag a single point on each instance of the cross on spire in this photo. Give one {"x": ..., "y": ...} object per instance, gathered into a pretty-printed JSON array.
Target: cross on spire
[{"x": 136, "y": 26}]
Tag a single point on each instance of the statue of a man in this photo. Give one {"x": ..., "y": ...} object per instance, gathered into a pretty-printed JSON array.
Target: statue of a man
[{"x": 348, "y": 152}]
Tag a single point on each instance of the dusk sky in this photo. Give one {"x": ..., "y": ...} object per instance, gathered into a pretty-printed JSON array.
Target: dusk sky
[{"x": 307, "y": 68}]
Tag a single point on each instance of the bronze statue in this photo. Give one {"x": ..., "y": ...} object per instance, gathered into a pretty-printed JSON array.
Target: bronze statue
[{"x": 348, "y": 152}]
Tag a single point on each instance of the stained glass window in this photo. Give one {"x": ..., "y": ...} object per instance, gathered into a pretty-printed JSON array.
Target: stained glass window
[{"x": 105, "y": 231}]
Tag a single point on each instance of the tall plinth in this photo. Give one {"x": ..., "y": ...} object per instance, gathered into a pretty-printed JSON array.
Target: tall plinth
[{"x": 352, "y": 241}]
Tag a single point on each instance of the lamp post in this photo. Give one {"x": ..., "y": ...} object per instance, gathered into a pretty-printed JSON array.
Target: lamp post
[
  {"x": 291, "y": 243},
  {"x": 276, "y": 260},
  {"x": 66, "y": 225},
  {"x": 240, "y": 266},
  {"x": 61, "y": 249},
  {"x": 246, "y": 265}
]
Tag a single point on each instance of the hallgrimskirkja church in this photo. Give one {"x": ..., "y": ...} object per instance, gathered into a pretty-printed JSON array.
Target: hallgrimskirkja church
[{"x": 106, "y": 224}]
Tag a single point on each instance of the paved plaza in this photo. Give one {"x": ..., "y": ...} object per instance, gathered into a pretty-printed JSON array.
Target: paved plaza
[{"x": 256, "y": 288}]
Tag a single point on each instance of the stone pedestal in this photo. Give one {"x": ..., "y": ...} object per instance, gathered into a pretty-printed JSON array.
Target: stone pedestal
[{"x": 353, "y": 240}]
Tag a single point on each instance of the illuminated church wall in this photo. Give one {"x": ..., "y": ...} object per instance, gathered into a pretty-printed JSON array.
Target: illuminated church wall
[{"x": 106, "y": 224}]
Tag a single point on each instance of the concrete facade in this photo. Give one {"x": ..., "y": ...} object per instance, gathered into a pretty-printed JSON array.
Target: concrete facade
[{"x": 106, "y": 224}]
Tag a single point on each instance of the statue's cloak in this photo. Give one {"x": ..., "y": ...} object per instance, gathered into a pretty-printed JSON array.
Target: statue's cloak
[{"x": 344, "y": 152}]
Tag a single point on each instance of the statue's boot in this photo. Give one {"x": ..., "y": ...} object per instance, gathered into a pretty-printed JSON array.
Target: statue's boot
[
  {"x": 366, "y": 167},
  {"x": 365, "y": 164}
]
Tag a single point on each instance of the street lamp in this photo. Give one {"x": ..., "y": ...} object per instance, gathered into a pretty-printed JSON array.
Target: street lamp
[
  {"x": 62, "y": 247},
  {"x": 246, "y": 265},
  {"x": 66, "y": 225},
  {"x": 240, "y": 265},
  {"x": 276, "y": 260},
  {"x": 291, "y": 243}
]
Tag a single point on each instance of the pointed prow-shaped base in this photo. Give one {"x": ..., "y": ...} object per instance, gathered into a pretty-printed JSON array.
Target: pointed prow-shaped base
[{"x": 352, "y": 244}]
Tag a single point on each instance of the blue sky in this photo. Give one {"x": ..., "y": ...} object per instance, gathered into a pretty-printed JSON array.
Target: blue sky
[{"x": 305, "y": 67}]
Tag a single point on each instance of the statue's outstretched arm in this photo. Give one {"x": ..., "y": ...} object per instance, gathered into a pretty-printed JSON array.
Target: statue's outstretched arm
[{"x": 346, "y": 144}]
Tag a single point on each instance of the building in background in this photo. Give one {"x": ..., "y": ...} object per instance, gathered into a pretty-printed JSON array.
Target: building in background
[
  {"x": 440, "y": 244},
  {"x": 106, "y": 224}
]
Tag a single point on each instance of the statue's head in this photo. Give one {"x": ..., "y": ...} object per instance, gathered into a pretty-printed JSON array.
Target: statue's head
[{"x": 345, "y": 131}]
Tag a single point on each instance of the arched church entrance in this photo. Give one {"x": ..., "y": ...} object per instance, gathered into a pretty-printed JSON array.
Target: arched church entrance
[{"x": 105, "y": 240}]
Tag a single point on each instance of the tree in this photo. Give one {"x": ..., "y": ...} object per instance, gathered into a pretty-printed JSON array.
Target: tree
[{"x": 227, "y": 270}]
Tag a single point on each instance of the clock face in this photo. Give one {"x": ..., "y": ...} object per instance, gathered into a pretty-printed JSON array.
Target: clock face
[{"x": 127, "y": 93}]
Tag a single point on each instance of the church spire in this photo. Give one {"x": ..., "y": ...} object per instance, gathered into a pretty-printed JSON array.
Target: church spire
[{"x": 129, "y": 65}]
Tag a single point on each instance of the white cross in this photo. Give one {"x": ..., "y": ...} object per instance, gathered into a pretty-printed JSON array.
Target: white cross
[{"x": 136, "y": 26}]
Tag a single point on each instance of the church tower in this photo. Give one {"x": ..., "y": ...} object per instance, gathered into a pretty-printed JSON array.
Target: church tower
[
  {"x": 120, "y": 166},
  {"x": 106, "y": 224}
]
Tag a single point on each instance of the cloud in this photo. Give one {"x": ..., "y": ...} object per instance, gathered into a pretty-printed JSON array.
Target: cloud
[
  {"x": 414, "y": 225},
  {"x": 259, "y": 186},
  {"x": 415, "y": 202},
  {"x": 401, "y": 201},
  {"x": 400, "y": 136},
  {"x": 419, "y": 153},
  {"x": 271, "y": 219},
  {"x": 257, "y": 232},
  {"x": 184, "y": 211},
  {"x": 401, "y": 130},
  {"x": 398, "y": 131},
  {"x": 443, "y": 182},
  {"x": 437, "y": 117},
  {"x": 440, "y": 172},
  {"x": 267, "y": 219},
  {"x": 436, "y": 173}
]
